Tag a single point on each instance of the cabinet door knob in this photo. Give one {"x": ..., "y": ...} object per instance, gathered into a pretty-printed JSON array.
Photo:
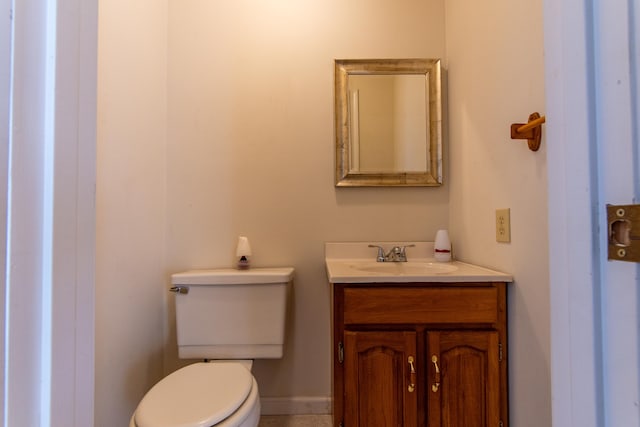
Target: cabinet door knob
[{"x": 412, "y": 377}]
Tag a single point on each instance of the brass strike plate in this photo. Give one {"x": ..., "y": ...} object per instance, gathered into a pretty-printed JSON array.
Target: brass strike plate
[{"x": 623, "y": 223}]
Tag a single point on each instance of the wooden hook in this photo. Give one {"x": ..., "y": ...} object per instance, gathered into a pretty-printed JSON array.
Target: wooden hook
[{"x": 531, "y": 131}]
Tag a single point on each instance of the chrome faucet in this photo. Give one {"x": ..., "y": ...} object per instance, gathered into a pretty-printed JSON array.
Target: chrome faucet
[{"x": 396, "y": 254}]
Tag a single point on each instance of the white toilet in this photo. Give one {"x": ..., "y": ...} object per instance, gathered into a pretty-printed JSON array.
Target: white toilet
[{"x": 228, "y": 317}]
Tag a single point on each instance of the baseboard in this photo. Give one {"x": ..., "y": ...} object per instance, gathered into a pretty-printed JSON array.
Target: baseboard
[{"x": 295, "y": 405}]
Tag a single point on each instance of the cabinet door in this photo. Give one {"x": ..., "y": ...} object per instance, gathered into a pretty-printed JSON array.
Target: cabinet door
[
  {"x": 380, "y": 379},
  {"x": 463, "y": 379}
]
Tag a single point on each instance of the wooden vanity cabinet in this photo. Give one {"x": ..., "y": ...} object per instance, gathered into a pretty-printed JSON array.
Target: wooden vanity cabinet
[{"x": 419, "y": 354}]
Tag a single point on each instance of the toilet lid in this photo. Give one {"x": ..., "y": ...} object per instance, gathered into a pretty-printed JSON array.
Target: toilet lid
[{"x": 198, "y": 395}]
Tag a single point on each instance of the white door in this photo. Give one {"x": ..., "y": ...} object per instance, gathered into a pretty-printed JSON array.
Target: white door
[
  {"x": 618, "y": 126},
  {"x": 591, "y": 62}
]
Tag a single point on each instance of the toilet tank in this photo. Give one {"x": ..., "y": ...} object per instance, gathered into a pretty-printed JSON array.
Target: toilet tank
[{"x": 231, "y": 314}]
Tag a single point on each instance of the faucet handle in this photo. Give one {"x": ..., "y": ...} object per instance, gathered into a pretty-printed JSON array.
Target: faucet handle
[
  {"x": 404, "y": 248},
  {"x": 401, "y": 251},
  {"x": 380, "y": 256}
]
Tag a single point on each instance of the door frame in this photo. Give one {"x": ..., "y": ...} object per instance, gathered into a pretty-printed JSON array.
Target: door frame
[
  {"x": 48, "y": 74},
  {"x": 574, "y": 269},
  {"x": 591, "y": 100}
]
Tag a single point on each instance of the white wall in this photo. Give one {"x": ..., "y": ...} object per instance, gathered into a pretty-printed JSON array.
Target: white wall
[
  {"x": 250, "y": 148},
  {"x": 130, "y": 271},
  {"x": 495, "y": 78},
  {"x": 251, "y": 151}
]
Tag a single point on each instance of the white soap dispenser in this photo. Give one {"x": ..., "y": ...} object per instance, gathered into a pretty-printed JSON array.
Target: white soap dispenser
[
  {"x": 243, "y": 252},
  {"x": 442, "y": 246}
]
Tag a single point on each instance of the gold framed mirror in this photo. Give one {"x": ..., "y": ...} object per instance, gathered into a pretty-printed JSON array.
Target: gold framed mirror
[{"x": 388, "y": 122}]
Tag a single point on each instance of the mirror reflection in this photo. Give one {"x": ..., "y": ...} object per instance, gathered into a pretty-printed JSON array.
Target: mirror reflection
[{"x": 388, "y": 123}]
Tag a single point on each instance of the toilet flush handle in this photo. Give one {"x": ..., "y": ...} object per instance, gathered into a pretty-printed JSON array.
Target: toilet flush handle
[{"x": 180, "y": 289}]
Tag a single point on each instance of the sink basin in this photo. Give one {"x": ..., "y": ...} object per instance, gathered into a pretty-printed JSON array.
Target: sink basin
[{"x": 405, "y": 268}]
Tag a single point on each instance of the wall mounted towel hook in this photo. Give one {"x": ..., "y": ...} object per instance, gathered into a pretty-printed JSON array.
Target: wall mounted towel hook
[{"x": 531, "y": 131}]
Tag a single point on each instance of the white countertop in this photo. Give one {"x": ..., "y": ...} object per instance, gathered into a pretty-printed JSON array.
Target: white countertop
[{"x": 355, "y": 262}]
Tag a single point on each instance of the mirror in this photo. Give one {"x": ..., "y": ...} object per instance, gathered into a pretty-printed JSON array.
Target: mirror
[{"x": 388, "y": 121}]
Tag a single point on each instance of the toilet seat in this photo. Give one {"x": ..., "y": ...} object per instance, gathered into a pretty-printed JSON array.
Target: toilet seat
[{"x": 198, "y": 395}]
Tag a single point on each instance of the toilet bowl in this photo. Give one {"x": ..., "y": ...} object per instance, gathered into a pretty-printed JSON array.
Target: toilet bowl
[
  {"x": 201, "y": 395},
  {"x": 231, "y": 317}
]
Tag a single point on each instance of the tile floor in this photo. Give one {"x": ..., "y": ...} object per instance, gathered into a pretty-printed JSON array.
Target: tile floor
[{"x": 295, "y": 421}]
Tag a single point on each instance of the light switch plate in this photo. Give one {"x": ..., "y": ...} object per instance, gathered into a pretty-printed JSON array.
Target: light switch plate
[{"x": 503, "y": 225}]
